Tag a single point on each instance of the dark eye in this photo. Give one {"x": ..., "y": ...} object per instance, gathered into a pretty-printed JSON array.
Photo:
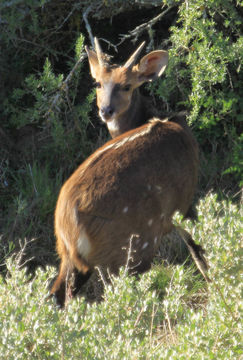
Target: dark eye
[
  {"x": 97, "y": 85},
  {"x": 126, "y": 88}
]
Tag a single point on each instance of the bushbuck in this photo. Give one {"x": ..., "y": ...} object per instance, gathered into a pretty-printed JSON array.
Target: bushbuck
[
  {"x": 122, "y": 198},
  {"x": 121, "y": 106}
]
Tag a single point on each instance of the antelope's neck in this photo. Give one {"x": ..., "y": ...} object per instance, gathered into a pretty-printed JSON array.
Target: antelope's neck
[{"x": 137, "y": 114}]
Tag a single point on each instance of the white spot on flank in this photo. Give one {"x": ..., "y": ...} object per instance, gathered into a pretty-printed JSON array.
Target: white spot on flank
[
  {"x": 150, "y": 222},
  {"x": 144, "y": 246},
  {"x": 155, "y": 240},
  {"x": 83, "y": 244},
  {"x": 125, "y": 210},
  {"x": 149, "y": 187}
]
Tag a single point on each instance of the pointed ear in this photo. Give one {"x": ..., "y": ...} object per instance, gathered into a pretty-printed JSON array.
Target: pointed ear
[
  {"x": 93, "y": 62},
  {"x": 152, "y": 65}
]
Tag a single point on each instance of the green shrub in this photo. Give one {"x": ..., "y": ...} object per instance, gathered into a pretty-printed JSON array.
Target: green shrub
[
  {"x": 205, "y": 77},
  {"x": 175, "y": 317}
]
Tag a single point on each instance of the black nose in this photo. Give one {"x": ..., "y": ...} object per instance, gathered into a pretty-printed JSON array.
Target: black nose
[{"x": 107, "y": 111}]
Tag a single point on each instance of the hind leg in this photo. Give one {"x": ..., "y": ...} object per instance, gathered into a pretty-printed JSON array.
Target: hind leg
[
  {"x": 81, "y": 272},
  {"x": 196, "y": 252},
  {"x": 79, "y": 280},
  {"x": 59, "y": 288},
  {"x": 71, "y": 265}
]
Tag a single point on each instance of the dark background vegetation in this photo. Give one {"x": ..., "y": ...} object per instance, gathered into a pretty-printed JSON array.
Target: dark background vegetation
[{"x": 48, "y": 116}]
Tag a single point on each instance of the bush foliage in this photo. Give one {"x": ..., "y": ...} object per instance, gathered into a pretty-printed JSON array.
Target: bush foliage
[
  {"x": 205, "y": 73},
  {"x": 170, "y": 313}
]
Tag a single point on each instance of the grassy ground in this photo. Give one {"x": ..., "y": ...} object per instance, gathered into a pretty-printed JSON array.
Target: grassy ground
[{"x": 170, "y": 313}]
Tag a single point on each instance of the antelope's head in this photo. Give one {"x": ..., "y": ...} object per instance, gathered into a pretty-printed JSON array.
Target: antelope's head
[{"x": 115, "y": 84}]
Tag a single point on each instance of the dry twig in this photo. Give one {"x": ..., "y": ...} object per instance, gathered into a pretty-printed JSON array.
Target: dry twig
[
  {"x": 88, "y": 27},
  {"x": 143, "y": 27}
]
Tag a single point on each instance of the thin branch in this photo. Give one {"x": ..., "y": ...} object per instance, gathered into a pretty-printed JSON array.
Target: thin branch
[
  {"x": 139, "y": 316},
  {"x": 21, "y": 253},
  {"x": 75, "y": 7},
  {"x": 88, "y": 27},
  {"x": 102, "y": 276},
  {"x": 230, "y": 78},
  {"x": 129, "y": 253},
  {"x": 151, "y": 326},
  {"x": 109, "y": 44},
  {"x": 143, "y": 27}
]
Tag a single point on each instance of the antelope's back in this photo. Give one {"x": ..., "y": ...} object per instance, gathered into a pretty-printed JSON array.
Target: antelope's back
[{"x": 154, "y": 166}]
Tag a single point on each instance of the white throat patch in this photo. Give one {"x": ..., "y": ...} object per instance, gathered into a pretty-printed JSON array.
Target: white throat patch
[{"x": 113, "y": 125}]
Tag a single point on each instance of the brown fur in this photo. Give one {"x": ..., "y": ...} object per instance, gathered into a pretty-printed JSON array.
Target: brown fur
[
  {"x": 132, "y": 185},
  {"x": 129, "y": 188}
]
